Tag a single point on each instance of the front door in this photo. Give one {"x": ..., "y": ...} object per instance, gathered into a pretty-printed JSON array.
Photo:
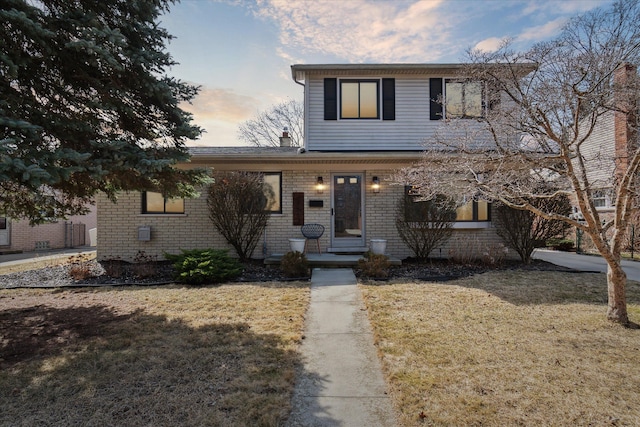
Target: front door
[{"x": 346, "y": 206}]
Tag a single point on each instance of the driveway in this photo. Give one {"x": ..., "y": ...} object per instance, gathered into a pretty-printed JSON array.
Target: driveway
[{"x": 585, "y": 262}]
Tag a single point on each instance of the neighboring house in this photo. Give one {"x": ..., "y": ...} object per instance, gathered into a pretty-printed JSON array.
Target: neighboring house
[
  {"x": 19, "y": 236},
  {"x": 607, "y": 150},
  {"x": 362, "y": 122}
]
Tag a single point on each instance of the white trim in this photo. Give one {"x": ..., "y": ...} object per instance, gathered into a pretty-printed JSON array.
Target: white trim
[
  {"x": 461, "y": 225},
  {"x": 159, "y": 215}
]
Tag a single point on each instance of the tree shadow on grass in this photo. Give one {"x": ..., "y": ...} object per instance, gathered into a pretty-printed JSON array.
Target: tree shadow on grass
[
  {"x": 531, "y": 287},
  {"x": 94, "y": 366}
]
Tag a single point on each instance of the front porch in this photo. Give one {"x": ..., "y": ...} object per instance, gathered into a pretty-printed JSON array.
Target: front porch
[{"x": 329, "y": 260}]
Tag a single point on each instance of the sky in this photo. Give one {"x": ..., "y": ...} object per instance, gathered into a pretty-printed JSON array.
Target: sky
[{"x": 240, "y": 52}]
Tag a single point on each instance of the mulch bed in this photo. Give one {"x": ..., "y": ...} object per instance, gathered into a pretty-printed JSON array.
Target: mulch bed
[{"x": 155, "y": 273}]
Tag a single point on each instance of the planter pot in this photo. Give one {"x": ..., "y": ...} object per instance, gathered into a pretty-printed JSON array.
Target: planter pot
[
  {"x": 297, "y": 245},
  {"x": 378, "y": 246}
]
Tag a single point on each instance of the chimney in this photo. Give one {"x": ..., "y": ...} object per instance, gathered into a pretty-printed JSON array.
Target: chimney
[
  {"x": 285, "y": 140},
  {"x": 625, "y": 130}
]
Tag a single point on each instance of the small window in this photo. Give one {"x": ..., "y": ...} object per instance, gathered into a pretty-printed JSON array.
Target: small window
[
  {"x": 273, "y": 191},
  {"x": 601, "y": 199},
  {"x": 359, "y": 99},
  {"x": 155, "y": 203},
  {"x": 3, "y": 223},
  {"x": 463, "y": 99}
]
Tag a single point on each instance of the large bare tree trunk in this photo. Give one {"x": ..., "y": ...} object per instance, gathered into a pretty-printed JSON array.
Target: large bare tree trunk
[{"x": 616, "y": 281}]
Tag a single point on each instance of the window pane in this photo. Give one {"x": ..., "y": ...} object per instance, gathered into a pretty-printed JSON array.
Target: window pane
[
  {"x": 3, "y": 223},
  {"x": 155, "y": 203},
  {"x": 369, "y": 100},
  {"x": 465, "y": 212},
  {"x": 473, "y": 99},
  {"x": 453, "y": 98},
  {"x": 272, "y": 191},
  {"x": 349, "y": 100},
  {"x": 174, "y": 206},
  {"x": 483, "y": 211}
]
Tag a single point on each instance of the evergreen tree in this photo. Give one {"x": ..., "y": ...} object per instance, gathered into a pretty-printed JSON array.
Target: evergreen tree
[{"x": 86, "y": 106}]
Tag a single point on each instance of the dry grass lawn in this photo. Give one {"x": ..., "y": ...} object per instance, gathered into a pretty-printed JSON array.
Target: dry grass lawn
[
  {"x": 150, "y": 356},
  {"x": 508, "y": 348}
]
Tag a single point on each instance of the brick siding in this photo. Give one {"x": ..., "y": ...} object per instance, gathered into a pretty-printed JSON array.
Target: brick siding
[{"x": 118, "y": 222}]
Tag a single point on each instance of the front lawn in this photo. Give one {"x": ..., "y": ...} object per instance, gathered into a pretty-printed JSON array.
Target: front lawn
[
  {"x": 507, "y": 348},
  {"x": 150, "y": 356}
]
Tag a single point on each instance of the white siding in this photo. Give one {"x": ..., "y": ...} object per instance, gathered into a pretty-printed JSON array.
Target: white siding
[
  {"x": 406, "y": 132},
  {"x": 599, "y": 152},
  {"x": 409, "y": 131}
]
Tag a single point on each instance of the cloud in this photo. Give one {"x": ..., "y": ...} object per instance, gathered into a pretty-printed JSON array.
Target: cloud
[
  {"x": 562, "y": 7},
  {"x": 542, "y": 32},
  {"x": 221, "y": 104},
  {"x": 489, "y": 45},
  {"x": 362, "y": 30}
]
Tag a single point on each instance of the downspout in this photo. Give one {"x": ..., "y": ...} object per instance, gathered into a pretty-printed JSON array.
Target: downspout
[{"x": 304, "y": 105}]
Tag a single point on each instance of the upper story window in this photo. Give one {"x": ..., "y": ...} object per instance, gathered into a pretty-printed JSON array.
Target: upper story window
[
  {"x": 602, "y": 199},
  {"x": 155, "y": 203},
  {"x": 359, "y": 99},
  {"x": 462, "y": 99}
]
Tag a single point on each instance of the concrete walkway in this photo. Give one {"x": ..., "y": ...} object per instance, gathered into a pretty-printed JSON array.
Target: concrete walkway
[
  {"x": 341, "y": 382},
  {"x": 586, "y": 262}
]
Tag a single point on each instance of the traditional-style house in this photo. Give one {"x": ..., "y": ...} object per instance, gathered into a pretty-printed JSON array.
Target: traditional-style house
[
  {"x": 613, "y": 141},
  {"x": 362, "y": 122}
]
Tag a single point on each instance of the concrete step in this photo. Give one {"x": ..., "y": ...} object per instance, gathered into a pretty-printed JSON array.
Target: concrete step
[
  {"x": 351, "y": 250},
  {"x": 328, "y": 260}
]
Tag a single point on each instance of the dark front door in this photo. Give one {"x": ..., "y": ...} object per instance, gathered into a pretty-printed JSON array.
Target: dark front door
[{"x": 347, "y": 227}]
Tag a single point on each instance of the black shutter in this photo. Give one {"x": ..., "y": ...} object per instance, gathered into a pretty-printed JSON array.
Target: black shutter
[
  {"x": 435, "y": 93},
  {"x": 298, "y": 208},
  {"x": 330, "y": 99},
  {"x": 388, "y": 99},
  {"x": 493, "y": 97}
]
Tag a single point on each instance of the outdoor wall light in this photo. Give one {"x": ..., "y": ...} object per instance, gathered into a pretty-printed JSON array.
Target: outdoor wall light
[
  {"x": 320, "y": 185},
  {"x": 375, "y": 186}
]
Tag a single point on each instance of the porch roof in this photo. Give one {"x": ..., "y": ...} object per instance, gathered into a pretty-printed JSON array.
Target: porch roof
[{"x": 267, "y": 157}]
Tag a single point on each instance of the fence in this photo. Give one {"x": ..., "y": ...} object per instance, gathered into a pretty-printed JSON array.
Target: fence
[{"x": 74, "y": 235}]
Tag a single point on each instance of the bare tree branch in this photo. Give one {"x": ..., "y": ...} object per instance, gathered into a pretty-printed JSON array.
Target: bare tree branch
[
  {"x": 539, "y": 140},
  {"x": 266, "y": 128}
]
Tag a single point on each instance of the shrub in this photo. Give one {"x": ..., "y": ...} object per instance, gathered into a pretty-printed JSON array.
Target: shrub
[
  {"x": 470, "y": 250},
  {"x": 80, "y": 268},
  {"x": 294, "y": 264},
  {"x": 561, "y": 244},
  {"x": 238, "y": 205},
  {"x": 494, "y": 254},
  {"x": 524, "y": 231},
  {"x": 375, "y": 266},
  {"x": 423, "y": 225},
  {"x": 199, "y": 266},
  {"x": 465, "y": 250}
]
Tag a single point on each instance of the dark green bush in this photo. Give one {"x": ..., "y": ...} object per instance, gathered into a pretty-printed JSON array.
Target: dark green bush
[
  {"x": 294, "y": 264},
  {"x": 561, "y": 244},
  {"x": 374, "y": 265},
  {"x": 199, "y": 266}
]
